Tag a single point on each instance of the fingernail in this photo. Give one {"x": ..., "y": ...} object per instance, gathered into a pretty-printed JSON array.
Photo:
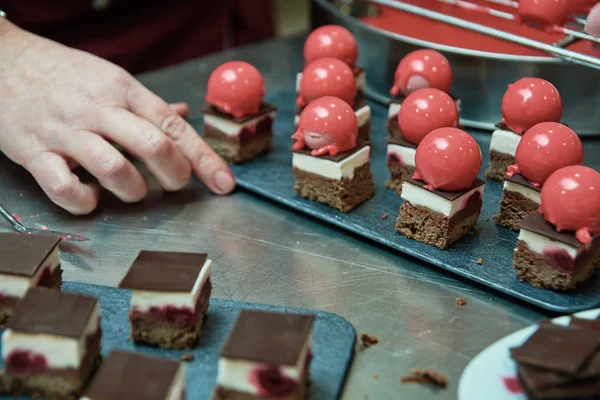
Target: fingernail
[{"x": 224, "y": 181}]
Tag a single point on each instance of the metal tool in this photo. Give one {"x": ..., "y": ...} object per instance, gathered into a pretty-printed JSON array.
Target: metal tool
[{"x": 19, "y": 227}]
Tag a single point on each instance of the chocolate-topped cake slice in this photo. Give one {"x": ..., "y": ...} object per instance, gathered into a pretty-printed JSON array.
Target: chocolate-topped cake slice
[
  {"x": 400, "y": 161},
  {"x": 519, "y": 199},
  {"x": 26, "y": 261},
  {"x": 170, "y": 294},
  {"x": 127, "y": 376},
  {"x": 266, "y": 356},
  {"x": 51, "y": 346}
]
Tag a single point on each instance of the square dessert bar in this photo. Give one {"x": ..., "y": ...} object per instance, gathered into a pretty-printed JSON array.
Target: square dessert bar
[
  {"x": 437, "y": 217},
  {"x": 266, "y": 356},
  {"x": 128, "y": 376},
  {"x": 363, "y": 117},
  {"x": 400, "y": 161},
  {"x": 503, "y": 148},
  {"x": 550, "y": 259},
  {"x": 26, "y": 261},
  {"x": 169, "y": 299},
  {"x": 394, "y": 108},
  {"x": 239, "y": 139},
  {"x": 51, "y": 346},
  {"x": 519, "y": 199},
  {"x": 343, "y": 181}
]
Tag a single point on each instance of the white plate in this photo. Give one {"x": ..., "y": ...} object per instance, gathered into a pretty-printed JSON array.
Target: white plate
[{"x": 489, "y": 375}]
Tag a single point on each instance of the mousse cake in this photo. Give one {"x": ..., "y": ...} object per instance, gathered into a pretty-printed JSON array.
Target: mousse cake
[
  {"x": 329, "y": 165},
  {"x": 519, "y": 199},
  {"x": 26, "y": 261},
  {"x": 127, "y": 376},
  {"x": 51, "y": 346},
  {"x": 170, "y": 294},
  {"x": 238, "y": 125},
  {"x": 441, "y": 202},
  {"x": 415, "y": 120},
  {"x": 525, "y": 103},
  {"x": 267, "y": 356},
  {"x": 559, "y": 248}
]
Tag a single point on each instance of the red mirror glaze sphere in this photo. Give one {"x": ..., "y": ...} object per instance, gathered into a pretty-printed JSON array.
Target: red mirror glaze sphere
[
  {"x": 236, "y": 88},
  {"x": 543, "y": 149},
  {"x": 327, "y": 126},
  {"x": 420, "y": 69},
  {"x": 570, "y": 199},
  {"x": 447, "y": 159},
  {"x": 424, "y": 111},
  {"x": 546, "y": 13},
  {"x": 582, "y": 6},
  {"x": 327, "y": 77},
  {"x": 530, "y": 101},
  {"x": 331, "y": 41}
]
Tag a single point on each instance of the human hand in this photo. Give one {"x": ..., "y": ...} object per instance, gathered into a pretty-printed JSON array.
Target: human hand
[{"x": 61, "y": 107}]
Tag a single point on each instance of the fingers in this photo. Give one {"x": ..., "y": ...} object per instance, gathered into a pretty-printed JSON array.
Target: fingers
[
  {"x": 110, "y": 167},
  {"x": 207, "y": 165},
  {"x": 146, "y": 142},
  {"x": 60, "y": 184},
  {"x": 182, "y": 109}
]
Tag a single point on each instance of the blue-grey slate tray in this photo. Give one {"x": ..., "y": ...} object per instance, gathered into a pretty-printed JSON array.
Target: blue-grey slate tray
[
  {"x": 334, "y": 340},
  {"x": 271, "y": 176}
]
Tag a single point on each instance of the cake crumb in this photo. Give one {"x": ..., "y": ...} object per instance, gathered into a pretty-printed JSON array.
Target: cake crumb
[
  {"x": 384, "y": 216},
  {"x": 368, "y": 340},
  {"x": 480, "y": 261},
  {"x": 187, "y": 357},
  {"x": 376, "y": 377},
  {"x": 427, "y": 377},
  {"x": 461, "y": 301}
]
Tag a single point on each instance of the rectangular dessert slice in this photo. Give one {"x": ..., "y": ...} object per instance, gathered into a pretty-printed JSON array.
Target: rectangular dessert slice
[
  {"x": 503, "y": 148},
  {"x": 400, "y": 161},
  {"x": 26, "y": 261},
  {"x": 169, "y": 299},
  {"x": 549, "y": 259},
  {"x": 437, "y": 217},
  {"x": 361, "y": 82},
  {"x": 519, "y": 199},
  {"x": 127, "y": 376},
  {"x": 363, "y": 117},
  {"x": 266, "y": 356},
  {"x": 343, "y": 182},
  {"x": 239, "y": 139},
  {"x": 394, "y": 108},
  {"x": 51, "y": 346}
]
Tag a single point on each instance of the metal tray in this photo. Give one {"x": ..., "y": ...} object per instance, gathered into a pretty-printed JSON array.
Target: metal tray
[{"x": 271, "y": 176}]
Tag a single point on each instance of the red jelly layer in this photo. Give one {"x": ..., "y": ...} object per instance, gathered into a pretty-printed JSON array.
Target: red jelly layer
[{"x": 270, "y": 382}]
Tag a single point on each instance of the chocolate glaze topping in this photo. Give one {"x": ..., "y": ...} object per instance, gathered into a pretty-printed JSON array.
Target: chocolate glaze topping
[
  {"x": 22, "y": 254},
  {"x": 268, "y": 337},
  {"x": 447, "y": 195},
  {"x": 521, "y": 180},
  {"x": 265, "y": 108},
  {"x": 337, "y": 158},
  {"x": 399, "y": 140},
  {"x": 536, "y": 223}
]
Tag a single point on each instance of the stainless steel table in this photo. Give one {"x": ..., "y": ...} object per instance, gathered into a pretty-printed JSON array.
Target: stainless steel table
[{"x": 268, "y": 254}]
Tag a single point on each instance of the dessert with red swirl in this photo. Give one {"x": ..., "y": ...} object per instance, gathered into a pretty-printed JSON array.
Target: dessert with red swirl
[
  {"x": 544, "y": 148},
  {"x": 334, "y": 41},
  {"x": 443, "y": 198},
  {"x": 525, "y": 103},
  {"x": 267, "y": 356},
  {"x": 238, "y": 124},
  {"x": 330, "y": 165},
  {"x": 424, "y": 68},
  {"x": 332, "y": 77},
  {"x": 559, "y": 246},
  {"x": 422, "y": 112},
  {"x": 170, "y": 294}
]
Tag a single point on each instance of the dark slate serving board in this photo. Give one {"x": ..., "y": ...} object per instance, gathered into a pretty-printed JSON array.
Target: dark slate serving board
[
  {"x": 334, "y": 339},
  {"x": 271, "y": 176}
]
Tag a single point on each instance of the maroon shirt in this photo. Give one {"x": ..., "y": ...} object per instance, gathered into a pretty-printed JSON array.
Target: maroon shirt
[{"x": 141, "y": 35}]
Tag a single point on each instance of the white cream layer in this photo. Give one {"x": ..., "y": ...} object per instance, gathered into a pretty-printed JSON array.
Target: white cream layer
[
  {"x": 178, "y": 385},
  {"x": 330, "y": 169},
  {"x": 59, "y": 352},
  {"x": 234, "y": 374},
  {"x": 505, "y": 142},
  {"x": 405, "y": 154},
  {"x": 231, "y": 128},
  {"x": 143, "y": 300},
  {"x": 419, "y": 196},
  {"x": 526, "y": 192},
  {"x": 361, "y": 81},
  {"x": 540, "y": 244},
  {"x": 17, "y": 286},
  {"x": 363, "y": 115}
]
